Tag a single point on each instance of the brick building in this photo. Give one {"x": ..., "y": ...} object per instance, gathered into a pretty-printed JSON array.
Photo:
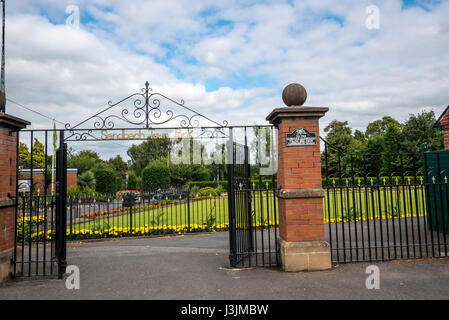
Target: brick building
[
  {"x": 443, "y": 123},
  {"x": 38, "y": 177}
]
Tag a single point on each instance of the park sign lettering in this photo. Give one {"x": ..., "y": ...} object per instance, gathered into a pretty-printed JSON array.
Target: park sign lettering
[
  {"x": 130, "y": 136},
  {"x": 301, "y": 137}
]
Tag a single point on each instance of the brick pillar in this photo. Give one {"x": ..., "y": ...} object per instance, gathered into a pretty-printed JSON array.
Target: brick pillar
[
  {"x": 301, "y": 225},
  {"x": 9, "y": 127}
]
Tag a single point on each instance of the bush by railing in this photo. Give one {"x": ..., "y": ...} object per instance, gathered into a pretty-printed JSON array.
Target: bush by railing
[
  {"x": 224, "y": 184},
  {"x": 366, "y": 181}
]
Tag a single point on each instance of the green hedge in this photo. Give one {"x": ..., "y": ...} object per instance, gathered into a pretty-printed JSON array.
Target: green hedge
[
  {"x": 132, "y": 181},
  {"x": 208, "y": 184},
  {"x": 105, "y": 181},
  {"x": 367, "y": 181},
  {"x": 224, "y": 184},
  {"x": 155, "y": 176}
]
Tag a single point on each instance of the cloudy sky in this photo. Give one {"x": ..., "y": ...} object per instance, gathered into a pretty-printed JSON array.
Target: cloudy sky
[{"x": 228, "y": 59}]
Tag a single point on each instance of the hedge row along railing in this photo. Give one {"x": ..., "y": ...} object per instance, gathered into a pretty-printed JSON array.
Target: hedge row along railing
[
  {"x": 374, "y": 181},
  {"x": 339, "y": 182},
  {"x": 224, "y": 184}
]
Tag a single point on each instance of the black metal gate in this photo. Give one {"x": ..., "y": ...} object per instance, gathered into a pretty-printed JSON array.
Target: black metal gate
[
  {"x": 40, "y": 218},
  {"x": 252, "y": 214},
  {"x": 42, "y": 227}
]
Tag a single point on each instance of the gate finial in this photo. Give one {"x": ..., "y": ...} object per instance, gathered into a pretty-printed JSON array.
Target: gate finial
[{"x": 294, "y": 95}]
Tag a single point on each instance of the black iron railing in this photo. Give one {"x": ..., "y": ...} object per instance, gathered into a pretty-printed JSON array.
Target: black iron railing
[{"x": 383, "y": 214}]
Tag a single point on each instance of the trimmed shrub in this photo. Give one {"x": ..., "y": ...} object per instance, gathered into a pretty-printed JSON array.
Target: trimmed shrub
[
  {"x": 224, "y": 184},
  {"x": 105, "y": 180},
  {"x": 132, "y": 181},
  {"x": 210, "y": 184},
  {"x": 208, "y": 191},
  {"x": 155, "y": 176},
  {"x": 87, "y": 179}
]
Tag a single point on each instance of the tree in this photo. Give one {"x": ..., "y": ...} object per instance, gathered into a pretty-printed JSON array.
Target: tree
[
  {"x": 118, "y": 164},
  {"x": 38, "y": 155},
  {"x": 151, "y": 149},
  {"x": 181, "y": 173},
  {"x": 84, "y": 160},
  {"x": 392, "y": 142},
  {"x": 155, "y": 176},
  {"x": 379, "y": 127},
  {"x": 24, "y": 155},
  {"x": 371, "y": 151},
  {"x": 340, "y": 145},
  {"x": 87, "y": 179},
  {"x": 418, "y": 130},
  {"x": 132, "y": 181}
]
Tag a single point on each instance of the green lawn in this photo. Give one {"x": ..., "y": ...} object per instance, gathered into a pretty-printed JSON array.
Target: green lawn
[
  {"x": 362, "y": 202},
  {"x": 339, "y": 204}
]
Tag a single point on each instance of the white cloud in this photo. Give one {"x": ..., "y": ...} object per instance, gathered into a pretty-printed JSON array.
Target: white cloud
[{"x": 179, "y": 46}]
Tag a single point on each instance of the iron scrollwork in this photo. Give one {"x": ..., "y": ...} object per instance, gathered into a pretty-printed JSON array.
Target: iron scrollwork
[{"x": 146, "y": 111}]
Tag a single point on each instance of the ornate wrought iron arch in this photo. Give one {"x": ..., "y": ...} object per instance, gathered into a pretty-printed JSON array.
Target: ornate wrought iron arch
[{"x": 146, "y": 111}]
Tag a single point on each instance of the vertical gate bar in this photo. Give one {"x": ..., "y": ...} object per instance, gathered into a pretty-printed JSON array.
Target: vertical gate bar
[
  {"x": 447, "y": 211},
  {"x": 362, "y": 190},
  {"x": 412, "y": 213},
  {"x": 231, "y": 212},
  {"x": 71, "y": 214},
  {"x": 275, "y": 220},
  {"x": 24, "y": 202},
  {"x": 248, "y": 196},
  {"x": 427, "y": 197},
  {"x": 37, "y": 235},
  {"x": 14, "y": 274},
  {"x": 417, "y": 215},
  {"x": 61, "y": 214},
  {"x": 436, "y": 214},
  {"x": 393, "y": 218},
  {"x": 348, "y": 205},
  {"x": 354, "y": 209},
  {"x": 404, "y": 207},
  {"x": 368, "y": 194},
  {"x": 274, "y": 187},
  {"x": 268, "y": 226},
  {"x": 342, "y": 205},
  {"x": 442, "y": 206},
  {"x": 31, "y": 202},
  {"x": 45, "y": 205},
  {"x": 188, "y": 212},
  {"x": 381, "y": 226},
  {"x": 373, "y": 195}
]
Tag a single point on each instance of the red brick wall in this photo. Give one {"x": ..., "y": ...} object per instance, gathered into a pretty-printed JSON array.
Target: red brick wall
[
  {"x": 445, "y": 125},
  {"x": 72, "y": 179},
  {"x": 7, "y": 225},
  {"x": 8, "y": 147},
  {"x": 300, "y": 168},
  {"x": 38, "y": 179}
]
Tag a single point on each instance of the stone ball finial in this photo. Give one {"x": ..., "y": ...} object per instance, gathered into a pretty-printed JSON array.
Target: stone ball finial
[{"x": 294, "y": 95}]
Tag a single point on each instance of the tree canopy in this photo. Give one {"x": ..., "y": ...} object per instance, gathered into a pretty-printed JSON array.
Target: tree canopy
[{"x": 386, "y": 146}]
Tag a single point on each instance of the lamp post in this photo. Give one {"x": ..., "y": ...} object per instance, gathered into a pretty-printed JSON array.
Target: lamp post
[{"x": 2, "y": 77}]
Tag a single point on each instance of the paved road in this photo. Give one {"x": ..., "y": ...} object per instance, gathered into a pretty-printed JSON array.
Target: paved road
[{"x": 196, "y": 267}]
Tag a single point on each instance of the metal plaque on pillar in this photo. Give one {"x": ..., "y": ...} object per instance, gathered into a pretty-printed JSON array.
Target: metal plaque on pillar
[{"x": 301, "y": 137}]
